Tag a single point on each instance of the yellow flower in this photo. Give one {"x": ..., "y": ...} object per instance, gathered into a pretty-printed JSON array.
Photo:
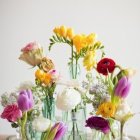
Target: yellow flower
[
  {"x": 56, "y": 30},
  {"x": 70, "y": 33},
  {"x": 47, "y": 79},
  {"x": 62, "y": 31},
  {"x": 90, "y": 39},
  {"x": 79, "y": 42},
  {"x": 89, "y": 60},
  {"x": 106, "y": 109},
  {"x": 40, "y": 75}
]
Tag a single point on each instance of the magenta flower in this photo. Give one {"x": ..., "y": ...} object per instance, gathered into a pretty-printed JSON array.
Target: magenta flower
[
  {"x": 11, "y": 113},
  {"x": 62, "y": 128},
  {"x": 98, "y": 123},
  {"x": 25, "y": 100},
  {"x": 123, "y": 87}
]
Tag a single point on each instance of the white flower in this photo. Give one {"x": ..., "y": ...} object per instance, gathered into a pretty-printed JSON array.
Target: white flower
[
  {"x": 123, "y": 112},
  {"x": 41, "y": 124},
  {"x": 68, "y": 99},
  {"x": 8, "y": 98},
  {"x": 25, "y": 85}
]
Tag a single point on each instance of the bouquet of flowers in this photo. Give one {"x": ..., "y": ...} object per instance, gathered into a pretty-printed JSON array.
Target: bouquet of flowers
[
  {"x": 108, "y": 92},
  {"x": 31, "y": 108},
  {"x": 71, "y": 100}
]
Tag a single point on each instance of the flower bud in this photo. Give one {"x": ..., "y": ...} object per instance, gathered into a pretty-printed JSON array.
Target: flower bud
[{"x": 25, "y": 100}]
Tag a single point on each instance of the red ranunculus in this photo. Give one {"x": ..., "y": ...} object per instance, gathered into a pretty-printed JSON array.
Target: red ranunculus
[
  {"x": 11, "y": 113},
  {"x": 105, "y": 65}
]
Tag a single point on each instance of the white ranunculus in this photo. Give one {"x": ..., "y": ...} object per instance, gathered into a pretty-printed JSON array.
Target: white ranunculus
[
  {"x": 68, "y": 99},
  {"x": 41, "y": 124},
  {"x": 123, "y": 111}
]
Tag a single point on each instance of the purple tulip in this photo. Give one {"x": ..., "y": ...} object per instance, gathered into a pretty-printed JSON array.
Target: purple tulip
[
  {"x": 25, "y": 100},
  {"x": 123, "y": 87},
  {"x": 62, "y": 128},
  {"x": 98, "y": 123}
]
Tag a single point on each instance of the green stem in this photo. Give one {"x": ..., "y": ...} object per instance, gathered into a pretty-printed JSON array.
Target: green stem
[
  {"x": 118, "y": 66},
  {"x": 73, "y": 129},
  {"x": 76, "y": 68},
  {"x": 72, "y": 61},
  {"x": 23, "y": 124},
  {"x": 121, "y": 131}
]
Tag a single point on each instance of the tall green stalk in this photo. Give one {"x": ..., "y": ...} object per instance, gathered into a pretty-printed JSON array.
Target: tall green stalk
[
  {"x": 121, "y": 130},
  {"x": 23, "y": 127}
]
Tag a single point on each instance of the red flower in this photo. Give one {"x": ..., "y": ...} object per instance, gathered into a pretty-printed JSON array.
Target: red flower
[
  {"x": 11, "y": 113},
  {"x": 105, "y": 65}
]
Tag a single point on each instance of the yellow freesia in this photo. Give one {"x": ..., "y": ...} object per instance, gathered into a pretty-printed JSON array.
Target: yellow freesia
[
  {"x": 56, "y": 30},
  {"x": 79, "y": 41},
  {"x": 89, "y": 60},
  {"x": 106, "y": 109},
  {"x": 70, "y": 33},
  {"x": 90, "y": 39},
  {"x": 63, "y": 31}
]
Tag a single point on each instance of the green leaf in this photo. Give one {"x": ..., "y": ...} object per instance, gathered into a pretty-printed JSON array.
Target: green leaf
[
  {"x": 14, "y": 125},
  {"x": 47, "y": 132},
  {"x": 128, "y": 116},
  {"x": 52, "y": 133},
  {"x": 54, "y": 38}
]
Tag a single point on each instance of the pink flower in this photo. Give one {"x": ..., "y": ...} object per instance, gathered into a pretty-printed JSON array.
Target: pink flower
[
  {"x": 30, "y": 46},
  {"x": 32, "y": 54},
  {"x": 123, "y": 87},
  {"x": 55, "y": 75},
  {"x": 11, "y": 113},
  {"x": 25, "y": 100}
]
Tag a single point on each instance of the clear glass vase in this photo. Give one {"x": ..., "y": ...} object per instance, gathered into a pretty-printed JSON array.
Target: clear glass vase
[
  {"x": 31, "y": 133},
  {"x": 48, "y": 108},
  {"x": 74, "y": 71},
  {"x": 97, "y": 135},
  {"x": 75, "y": 121},
  {"x": 112, "y": 135}
]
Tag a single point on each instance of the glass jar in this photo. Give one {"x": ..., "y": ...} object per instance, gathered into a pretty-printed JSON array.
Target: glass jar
[
  {"x": 31, "y": 133},
  {"x": 112, "y": 135},
  {"x": 48, "y": 108},
  {"x": 75, "y": 121},
  {"x": 74, "y": 71}
]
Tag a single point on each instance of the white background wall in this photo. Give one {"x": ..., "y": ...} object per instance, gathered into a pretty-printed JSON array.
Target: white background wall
[{"x": 117, "y": 23}]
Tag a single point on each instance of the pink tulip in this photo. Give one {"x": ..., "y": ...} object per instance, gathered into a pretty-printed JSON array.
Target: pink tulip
[
  {"x": 25, "y": 100},
  {"x": 123, "y": 87},
  {"x": 62, "y": 128}
]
